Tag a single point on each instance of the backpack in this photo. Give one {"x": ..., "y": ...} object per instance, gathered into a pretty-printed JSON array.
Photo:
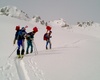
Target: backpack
[
  {"x": 29, "y": 35},
  {"x": 45, "y": 36},
  {"x": 21, "y": 34}
]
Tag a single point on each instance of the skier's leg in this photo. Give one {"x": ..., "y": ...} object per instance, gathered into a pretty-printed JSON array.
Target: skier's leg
[
  {"x": 31, "y": 47},
  {"x": 50, "y": 43},
  {"x": 18, "y": 50},
  {"x": 47, "y": 44},
  {"x": 27, "y": 47},
  {"x": 22, "y": 52}
]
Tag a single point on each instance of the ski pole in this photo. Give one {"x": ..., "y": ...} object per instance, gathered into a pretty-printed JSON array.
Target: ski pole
[
  {"x": 12, "y": 52},
  {"x": 35, "y": 48}
]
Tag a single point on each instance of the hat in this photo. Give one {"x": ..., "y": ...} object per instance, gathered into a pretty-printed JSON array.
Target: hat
[
  {"x": 17, "y": 28},
  {"x": 48, "y": 28},
  {"x": 35, "y": 29}
]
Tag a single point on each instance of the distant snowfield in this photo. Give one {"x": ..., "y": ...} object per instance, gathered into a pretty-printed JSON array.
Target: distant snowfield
[{"x": 75, "y": 53}]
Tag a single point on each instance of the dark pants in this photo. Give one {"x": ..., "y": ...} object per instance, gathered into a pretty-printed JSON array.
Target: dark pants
[
  {"x": 20, "y": 44},
  {"x": 48, "y": 42},
  {"x": 29, "y": 44}
]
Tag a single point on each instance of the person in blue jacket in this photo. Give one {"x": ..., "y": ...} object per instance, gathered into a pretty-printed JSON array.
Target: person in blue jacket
[{"x": 20, "y": 37}]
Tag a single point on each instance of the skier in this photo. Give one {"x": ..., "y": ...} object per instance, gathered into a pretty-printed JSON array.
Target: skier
[
  {"x": 48, "y": 41},
  {"x": 30, "y": 37},
  {"x": 47, "y": 37},
  {"x": 20, "y": 37}
]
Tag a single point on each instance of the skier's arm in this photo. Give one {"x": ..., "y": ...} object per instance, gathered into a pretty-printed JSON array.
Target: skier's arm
[{"x": 15, "y": 38}]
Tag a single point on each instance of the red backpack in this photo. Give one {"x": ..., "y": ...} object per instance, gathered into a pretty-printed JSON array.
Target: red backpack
[{"x": 45, "y": 36}]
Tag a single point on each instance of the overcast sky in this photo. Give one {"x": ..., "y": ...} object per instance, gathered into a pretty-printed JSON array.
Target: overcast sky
[{"x": 71, "y": 11}]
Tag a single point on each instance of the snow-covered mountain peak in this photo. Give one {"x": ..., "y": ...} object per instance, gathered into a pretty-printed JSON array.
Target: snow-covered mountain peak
[
  {"x": 60, "y": 22},
  {"x": 14, "y": 12},
  {"x": 37, "y": 19}
]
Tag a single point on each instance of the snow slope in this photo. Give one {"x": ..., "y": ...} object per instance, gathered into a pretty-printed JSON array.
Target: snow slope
[{"x": 75, "y": 53}]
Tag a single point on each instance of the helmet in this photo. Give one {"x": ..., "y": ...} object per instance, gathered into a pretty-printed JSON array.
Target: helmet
[
  {"x": 35, "y": 29},
  {"x": 17, "y": 28},
  {"x": 48, "y": 28}
]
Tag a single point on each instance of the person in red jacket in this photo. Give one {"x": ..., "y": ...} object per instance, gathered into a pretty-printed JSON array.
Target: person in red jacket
[
  {"x": 48, "y": 41},
  {"x": 47, "y": 37}
]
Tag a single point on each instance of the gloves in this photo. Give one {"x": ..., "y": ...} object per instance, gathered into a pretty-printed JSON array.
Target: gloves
[
  {"x": 14, "y": 41},
  {"x": 50, "y": 36}
]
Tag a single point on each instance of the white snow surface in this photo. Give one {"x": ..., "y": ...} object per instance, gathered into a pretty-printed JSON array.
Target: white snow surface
[{"x": 75, "y": 53}]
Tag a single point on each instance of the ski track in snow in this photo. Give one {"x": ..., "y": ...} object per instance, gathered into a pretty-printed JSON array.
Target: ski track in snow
[
  {"x": 37, "y": 72},
  {"x": 22, "y": 71},
  {"x": 6, "y": 70},
  {"x": 58, "y": 50}
]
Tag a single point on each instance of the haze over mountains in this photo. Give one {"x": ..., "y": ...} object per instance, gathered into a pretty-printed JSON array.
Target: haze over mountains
[{"x": 20, "y": 14}]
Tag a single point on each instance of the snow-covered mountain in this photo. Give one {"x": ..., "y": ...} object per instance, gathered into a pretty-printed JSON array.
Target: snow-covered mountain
[
  {"x": 60, "y": 22},
  {"x": 37, "y": 19},
  {"x": 86, "y": 24},
  {"x": 14, "y": 12}
]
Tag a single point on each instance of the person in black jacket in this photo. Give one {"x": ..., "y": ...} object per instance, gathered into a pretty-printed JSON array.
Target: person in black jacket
[{"x": 30, "y": 37}]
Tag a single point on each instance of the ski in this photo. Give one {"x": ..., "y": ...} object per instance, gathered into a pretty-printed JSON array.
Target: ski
[{"x": 20, "y": 57}]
